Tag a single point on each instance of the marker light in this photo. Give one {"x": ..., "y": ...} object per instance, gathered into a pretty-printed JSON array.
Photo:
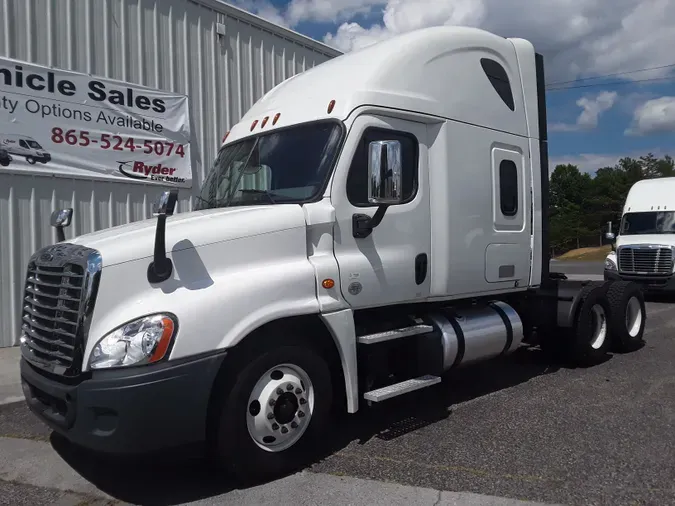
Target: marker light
[
  {"x": 276, "y": 118},
  {"x": 264, "y": 121},
  {"x": 331, "y": 104},
  {"x": 328, "y": 283},
  {"x": 253, "y": 125}
]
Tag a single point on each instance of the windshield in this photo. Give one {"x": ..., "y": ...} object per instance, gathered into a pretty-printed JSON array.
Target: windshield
[
  {"x": 34, "y": 145},
  {"x": 652, "y": 222},
  {"x": 287, "y": 166}
]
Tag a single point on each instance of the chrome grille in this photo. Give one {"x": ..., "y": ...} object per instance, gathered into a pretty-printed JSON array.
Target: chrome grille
[
  {"x": 58, "y": 298},
  {"x": 645, "y": 260}
]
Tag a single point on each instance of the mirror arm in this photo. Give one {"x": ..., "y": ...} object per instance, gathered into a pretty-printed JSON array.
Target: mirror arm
[
  {"x": 161, "y": 267},
  {"x": 363, "y": 225},
  {"x": 60, "y": 233}
]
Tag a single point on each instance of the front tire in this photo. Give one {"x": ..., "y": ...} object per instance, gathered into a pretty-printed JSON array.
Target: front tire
[{"x": 272, "y": 420}]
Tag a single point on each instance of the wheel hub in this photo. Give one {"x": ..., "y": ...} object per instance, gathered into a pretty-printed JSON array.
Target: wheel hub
[
  {"x": 286, "y": 407},
  {"x": 280, "y": 407}
]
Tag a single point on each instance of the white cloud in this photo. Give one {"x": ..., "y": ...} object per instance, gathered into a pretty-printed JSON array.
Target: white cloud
[
  {"x": 654, "y": 116},
  {"x": 592, "y": 107},
  {"x": 328, "y": 11},
  {"x": 587, "y": 162},
  {"x": 590, "y": 162},
  {"x": 579, "y": 38}
]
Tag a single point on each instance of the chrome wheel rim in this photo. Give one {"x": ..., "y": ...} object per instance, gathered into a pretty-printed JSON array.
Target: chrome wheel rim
[
  {"x": 280, "y": 407},
  {"x": 599, "y": 325},
  {"x": 633, "y": 317}
]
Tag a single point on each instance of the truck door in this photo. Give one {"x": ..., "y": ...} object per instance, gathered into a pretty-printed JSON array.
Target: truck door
[
  {"x": 508, "y": 256},
  {"x": 391, "y": 264}
]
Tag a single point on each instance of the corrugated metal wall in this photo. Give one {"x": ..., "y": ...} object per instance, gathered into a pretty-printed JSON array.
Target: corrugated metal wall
[{"x": 167, "y": 44}]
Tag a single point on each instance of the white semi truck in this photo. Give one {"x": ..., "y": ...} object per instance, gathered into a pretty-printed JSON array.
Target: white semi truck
[
  {"x": 367, "y": 226},
  {"x": 644, "y": 251}
]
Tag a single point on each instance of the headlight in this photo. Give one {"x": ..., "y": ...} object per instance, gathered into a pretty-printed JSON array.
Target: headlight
[
  {"x": 609, "y": 264},
  {"x": 141, "y": 341}
]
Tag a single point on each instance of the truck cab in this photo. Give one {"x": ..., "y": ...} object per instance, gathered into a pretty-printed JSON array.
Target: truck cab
[
  {"x": 644, "y": 251},
  {"x": 369, "y": 225}
]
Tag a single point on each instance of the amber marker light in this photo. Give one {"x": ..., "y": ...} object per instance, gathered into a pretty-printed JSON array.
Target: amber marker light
[
  {"x": 276, "y": 118},
  {"x": 253, "y": 125},
  {"x": 331, "y": 105},
  {"x": 164, "y": 341},
  {"x": 264, "y": 121},
  {"x": 328, "y": 283}
]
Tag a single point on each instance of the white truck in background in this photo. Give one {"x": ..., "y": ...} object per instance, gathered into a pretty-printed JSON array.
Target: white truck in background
[
  {"x": 644, "y": 250},
  {"x": 367, "y": 226}
]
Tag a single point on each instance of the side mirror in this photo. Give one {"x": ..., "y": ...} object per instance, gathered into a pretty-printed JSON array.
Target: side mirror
[
  {"x": 61, "y": 219},
  {"x": 609, "y": 236},
  {"x": 166, "y": 203},
  {"x": 385, "y": 172}
]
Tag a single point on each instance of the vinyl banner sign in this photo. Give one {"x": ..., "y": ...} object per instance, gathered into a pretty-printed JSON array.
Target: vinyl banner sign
[{"x": 73, "y": 124}]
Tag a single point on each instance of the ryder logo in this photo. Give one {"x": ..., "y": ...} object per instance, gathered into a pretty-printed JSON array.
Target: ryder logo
[{"x": 139, "y": 170}]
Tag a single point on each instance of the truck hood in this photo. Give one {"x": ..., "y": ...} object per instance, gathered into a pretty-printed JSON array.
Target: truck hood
[
  {"x": 660, "y": 239},
  {"x": 191, "y": 230}
]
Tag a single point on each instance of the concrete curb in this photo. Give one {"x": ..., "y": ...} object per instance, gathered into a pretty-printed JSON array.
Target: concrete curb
[{"x": 10, "y": 379}]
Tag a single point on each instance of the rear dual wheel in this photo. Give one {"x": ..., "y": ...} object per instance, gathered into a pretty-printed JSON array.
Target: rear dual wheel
[
  {"x": 611, "y": 316},
  {"x": 628, "y": 316}
]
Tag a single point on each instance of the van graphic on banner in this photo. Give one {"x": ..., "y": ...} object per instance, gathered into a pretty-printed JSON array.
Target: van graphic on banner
[{"x": 67, "y": 123}]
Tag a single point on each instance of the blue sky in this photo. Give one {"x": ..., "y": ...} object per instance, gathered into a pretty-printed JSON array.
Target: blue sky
[{"x": 582, "y": 41}]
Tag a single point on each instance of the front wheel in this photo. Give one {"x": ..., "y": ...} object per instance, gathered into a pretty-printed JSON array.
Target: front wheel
[{"x": 274, "y": 416}]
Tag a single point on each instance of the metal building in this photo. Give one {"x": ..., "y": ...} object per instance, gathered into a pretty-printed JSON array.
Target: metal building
[{"x": 222, "y": 58}]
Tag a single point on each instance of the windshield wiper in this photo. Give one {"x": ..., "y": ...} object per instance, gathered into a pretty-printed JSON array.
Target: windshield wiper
[{"x": 261, "y": 192}]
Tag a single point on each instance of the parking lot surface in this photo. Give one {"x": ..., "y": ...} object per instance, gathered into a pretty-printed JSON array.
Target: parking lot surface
[{"x": 520, "y": 429}]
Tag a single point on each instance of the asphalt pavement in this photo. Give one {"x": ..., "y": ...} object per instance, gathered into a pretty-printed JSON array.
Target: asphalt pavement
[
  {"x": 577, "y": 268},
  {"x": 498, "y": 433}
]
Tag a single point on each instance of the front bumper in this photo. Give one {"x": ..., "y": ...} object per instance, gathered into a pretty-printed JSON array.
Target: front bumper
[
  {"x": 648, "y": 283},
  {"x": 134, "y": 410}
]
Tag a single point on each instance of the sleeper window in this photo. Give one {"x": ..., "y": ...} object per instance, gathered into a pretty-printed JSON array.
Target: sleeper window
[{"x": 508, "y": 188}]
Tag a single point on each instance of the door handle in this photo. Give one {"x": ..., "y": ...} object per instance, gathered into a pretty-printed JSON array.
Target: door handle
[{"x": 420, "y": 268}]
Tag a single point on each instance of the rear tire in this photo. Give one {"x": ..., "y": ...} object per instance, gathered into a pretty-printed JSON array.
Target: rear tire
[
  {"x": 591, "y": 339},
  {"x": 628, "y": 316},
  {"x": 587, "y": 342},
  {"x": 273, "y": 416}
]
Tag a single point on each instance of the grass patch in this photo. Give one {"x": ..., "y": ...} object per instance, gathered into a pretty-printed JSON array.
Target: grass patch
[{"x": 596, "y": 254}]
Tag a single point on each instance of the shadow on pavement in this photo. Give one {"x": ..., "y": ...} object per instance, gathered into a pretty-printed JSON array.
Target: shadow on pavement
[
  {"x": 408, "y": 413},
  {"x": 177, "y": 478},
  {"x": 145, "y": 479},
  {"x": 662, "y": 298}
]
